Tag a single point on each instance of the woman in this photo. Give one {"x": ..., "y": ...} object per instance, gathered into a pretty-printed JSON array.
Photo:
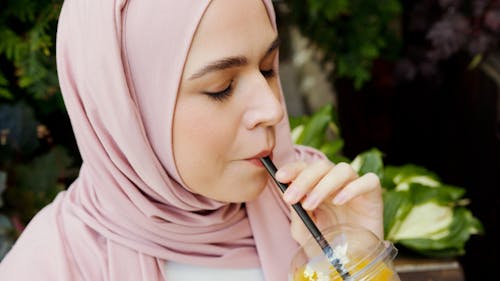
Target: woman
[{"x": 172, "y": 104}]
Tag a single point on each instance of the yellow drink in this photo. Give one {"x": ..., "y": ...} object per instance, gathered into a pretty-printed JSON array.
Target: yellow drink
[
  {"x": 361, "y": 253},
  {"x": 361, "y": 271}
]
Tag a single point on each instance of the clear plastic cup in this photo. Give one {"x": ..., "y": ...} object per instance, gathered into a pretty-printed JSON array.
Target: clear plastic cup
[{"x": 361, "y": 252}]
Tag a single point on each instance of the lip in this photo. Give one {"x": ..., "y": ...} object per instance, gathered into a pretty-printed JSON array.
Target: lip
[{"x": 255, "y": 160}]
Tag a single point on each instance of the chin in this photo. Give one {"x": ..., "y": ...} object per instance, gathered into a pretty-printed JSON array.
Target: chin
[
  {"x": 255, "y": 191},
  {"x": 241, "y": 185},
  {"x": 247, "y": 192}
]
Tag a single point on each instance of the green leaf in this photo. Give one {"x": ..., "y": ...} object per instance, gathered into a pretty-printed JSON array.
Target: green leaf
[
  {"x": 463, "y": 225},
  {"x": 3, "y": 80},
  {"x": 337, "y": 158},
  {"x": 369, "y": 162},
  {"x": 296, "y": 133},
  {"x": 401, "y": 176},
  {"x": 428, "y": 220},
  {"x": 334, "y": 9},
  {"x": 442, "y": 195},
  {"x": 298, "y": 121},
  {"x": 476, "y": 60},
  {"x": 397, "y": 204},
  {"x": 409, "y": 170},
  {"x": 332, "y": 148},
  {"x": 315, "y": 129},
  {"x": 25, "y": 81},
  {"x": 319, "y": 131},
  {"x": 5, "y": 94},
  {"x": 454, "y": 192},
  {"x": 449, "y": 242}
]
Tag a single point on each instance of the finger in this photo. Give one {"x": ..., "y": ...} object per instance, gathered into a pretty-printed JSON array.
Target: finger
[
  {"x": 334, "y": 180},
  {"x": 288, "y": 172},
  {"x": 326, "y": 215},
  {"x": 363, "y": 185},
  {"x": 306, "y": 180}
]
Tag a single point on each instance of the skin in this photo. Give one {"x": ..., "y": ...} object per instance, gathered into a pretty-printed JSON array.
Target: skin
[
  {"x": 225, "y": 116},
  {"x": 222, "y": 131}
]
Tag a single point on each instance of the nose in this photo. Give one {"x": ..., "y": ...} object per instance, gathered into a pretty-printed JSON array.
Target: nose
[{"x": 265, "y": 108}]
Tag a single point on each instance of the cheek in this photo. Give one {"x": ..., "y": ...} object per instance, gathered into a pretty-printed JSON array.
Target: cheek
[
  {"x": 207, "y": 144},
  {"x": 201, "y": 142},
  {"x": 200, "y": 130}
]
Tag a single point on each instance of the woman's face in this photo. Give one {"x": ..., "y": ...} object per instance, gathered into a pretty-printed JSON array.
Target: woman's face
[{"x": 228, "y": 102}]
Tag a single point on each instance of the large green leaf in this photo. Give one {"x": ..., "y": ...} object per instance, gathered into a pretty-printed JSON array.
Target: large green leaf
[
  {"x": 401, "y": 176},
  {"x": 445, "y": 195},
  {"x": 428, "y": 220},
  {"x": 396, "y": 207},
  {"x": 463, "y": 225}
]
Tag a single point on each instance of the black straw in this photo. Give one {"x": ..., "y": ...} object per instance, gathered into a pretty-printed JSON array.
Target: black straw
[{"x": 320, "y": 239}]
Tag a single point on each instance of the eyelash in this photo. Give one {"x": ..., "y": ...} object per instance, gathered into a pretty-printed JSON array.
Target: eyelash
[
  {"x": 226, "y": 93},
  {"x": 221, "y": 95},
  {"x": 268, "y": 73}
]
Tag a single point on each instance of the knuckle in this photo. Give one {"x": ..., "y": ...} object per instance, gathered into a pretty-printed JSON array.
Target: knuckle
[
  {"x": 324, "y": 163},
  {"x": 346, "y": 168},
  {"x": 290, "y": 165},
  {"x": 300, "y": 165}
]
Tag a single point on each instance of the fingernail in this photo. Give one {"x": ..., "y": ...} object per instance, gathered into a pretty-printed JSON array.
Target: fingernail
[
  {"x": 280, "y": 174},
  {"x": 311, "y": 201},
  {"x": 339, "y": 199},
  {"x": 290, "y": 195}
]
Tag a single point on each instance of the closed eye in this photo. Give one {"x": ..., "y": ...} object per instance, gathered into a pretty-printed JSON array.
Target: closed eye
[{"x": 220, "y": 96}]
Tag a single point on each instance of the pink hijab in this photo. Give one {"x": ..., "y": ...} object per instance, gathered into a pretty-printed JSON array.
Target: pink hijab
[{"x": 128, "y": 212}]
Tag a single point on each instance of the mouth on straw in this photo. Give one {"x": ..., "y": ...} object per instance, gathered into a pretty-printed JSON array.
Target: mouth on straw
[{"x": 309, "y": 223}]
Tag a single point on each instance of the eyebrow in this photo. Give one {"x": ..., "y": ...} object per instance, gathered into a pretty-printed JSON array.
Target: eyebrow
[{"x": 230, "y": 62}]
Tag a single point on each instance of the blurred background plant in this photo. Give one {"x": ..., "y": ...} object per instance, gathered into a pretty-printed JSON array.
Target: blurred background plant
[
  {"x": 350, "y": 33},
  {"x": 37, "y": 153},
  {"x": 420, "y": 81},
  {"x": 415, "y": 35},
  {"x": 421, "y": 213}
]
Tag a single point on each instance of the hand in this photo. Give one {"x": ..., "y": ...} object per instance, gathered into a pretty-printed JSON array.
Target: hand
[{"x": 332, "y": 194}]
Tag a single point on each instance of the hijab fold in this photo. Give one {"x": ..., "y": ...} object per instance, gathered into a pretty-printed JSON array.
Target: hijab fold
[{"x": 120, "y": 64}]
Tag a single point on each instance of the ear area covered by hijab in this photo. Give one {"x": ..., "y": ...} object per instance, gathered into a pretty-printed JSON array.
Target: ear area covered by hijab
[{"x": 119, "y": 65}]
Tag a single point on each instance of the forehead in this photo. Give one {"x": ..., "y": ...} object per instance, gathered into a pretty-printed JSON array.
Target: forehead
[{"x": 232, "y": 28}]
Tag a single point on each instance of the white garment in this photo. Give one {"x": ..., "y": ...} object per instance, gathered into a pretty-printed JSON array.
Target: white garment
[{"x": 185, "y": 272}]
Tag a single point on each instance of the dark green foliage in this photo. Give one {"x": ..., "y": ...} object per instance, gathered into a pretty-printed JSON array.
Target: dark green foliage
[
  {"x": 34, "y": 162},
  {"x": 352, "y": 33},
  {"x": 27, "y": 32}
]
